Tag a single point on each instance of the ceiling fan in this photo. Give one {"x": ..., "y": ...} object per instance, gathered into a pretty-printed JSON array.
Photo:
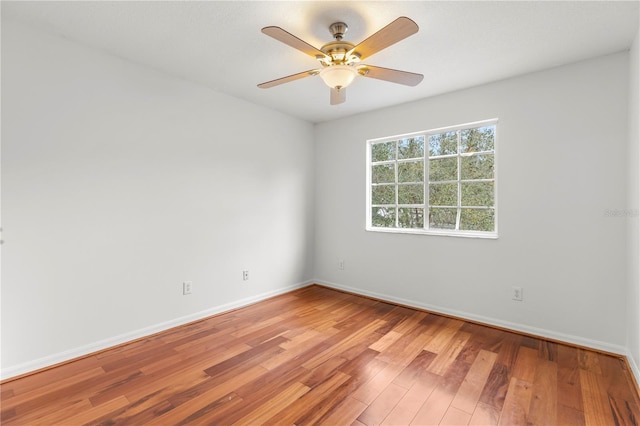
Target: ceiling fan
[{"x": 340, "y": 59}]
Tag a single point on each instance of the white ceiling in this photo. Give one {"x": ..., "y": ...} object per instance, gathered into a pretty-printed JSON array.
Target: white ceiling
[{"x": 219, "y": 44}]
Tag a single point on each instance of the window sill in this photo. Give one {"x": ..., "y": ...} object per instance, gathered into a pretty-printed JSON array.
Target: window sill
[{"x": 443, "y": 232}]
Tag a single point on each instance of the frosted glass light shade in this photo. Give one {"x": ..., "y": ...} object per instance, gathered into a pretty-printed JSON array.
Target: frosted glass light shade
[{"x": 338, "y": 75}]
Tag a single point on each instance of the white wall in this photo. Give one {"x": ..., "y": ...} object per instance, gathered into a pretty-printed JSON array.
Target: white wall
[
  {"x": 633, "y": 299},
  {"x": 119, "y": 183},
  {"x": 561, "y": 153}
]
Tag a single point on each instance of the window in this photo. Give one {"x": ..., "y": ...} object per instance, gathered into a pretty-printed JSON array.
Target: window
[{"x": 441, "y": 181}]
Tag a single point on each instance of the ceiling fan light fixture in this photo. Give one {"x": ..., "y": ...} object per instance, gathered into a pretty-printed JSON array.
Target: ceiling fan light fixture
[
  {"x": 340, "y": 59},
  {"x": 338, "y": 76}
]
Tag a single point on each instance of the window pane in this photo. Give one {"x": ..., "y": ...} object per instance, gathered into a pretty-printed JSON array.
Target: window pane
[
  {"x": 383, "y": 217},
  {"x": 411, "y": 194},
  {"x": 443, "y": 144},
  {"x": 383, "y": 194},
  {"x": 457, "y": 166},
  {"x": 477, "y": 193},
  {"x": 411, "y": 217},
  {"x": 383, "y": 151},
  {"x": 411, "y": 172},
  {"x": 475, "y": 140},
  {"x": 477, "y": 219},
  {"x": 443, "y": 194},
  {"x": 411, "y": 147},
  {"x": 383, "y": 173},
  {"x": 477, "y": 167},
  {"x": 443, "y": 169},
  {"x": 442, "y": 218}
]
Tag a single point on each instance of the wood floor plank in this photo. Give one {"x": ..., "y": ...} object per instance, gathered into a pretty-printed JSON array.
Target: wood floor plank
[
  {"x": 517, "y": 402},
  {"x": 395, "y": 316},
  {"x": 455, "y": 417},
  {"x": 370, "y": 390},
  {"x": 407, "y": 325},
  {"x": 589, "y": 361},
  {"x": 385, "y": 341},
  {"x": 260, "y": 392},
  {"x": 495, "y": 390},
  {"x": 405, "y": 349},
  {"x": 569, "y": 392},
  {"x": 50, "y": 377},
  {"x": 293, "y": 351},
  {"x": 328, "y": 368},
  {"x": 625, "y": 408},
  {"x": 485, "y": 415},
  {"x": 51, "y": 415},
  {"x": 346, "y": 412},
  {"x": 359, "y": 374},
  {"x": 321, "y": 356},
  {"x": 366, "y": 365},
  {"x": 25, "y": 400},
  {"x": 204, "y": 342},
  {"x": 570, "y": 416},
  {"x": 526, "y": 363},
  {"x": 170, "y": 383},
  {"x": 279, "y": 402},
  {"x": 263, "y": 351},
  {"x": 380, "y": 408},
  {"x": 404, "y": 352},
  {"x": 506, "y": 345},
  {"x": 298, "y": 336},
  {"x": 449, "y": 353},
  {"x": 594, "y": 399},
  {"x": 114, "y": 388},
  {"x": 192, "y": 402},
  {"x": 257, "y": 326},
  {"x": 71, "y": 391},
  {"x": 344, "y": 341},
  {"x": 197, "y": 359},
  {"x": 416, "y": 370},
  {"x": 137, "y": 412},
  {"x": 91, "y": 413},
  {"x": 548, "y": 350},
  {"x": 407, "y": 408},
  {"x": 434, "y": 408},
  {"x": 140, "y": 359},
  {"x": 544, "y": 397},
  {"x": 443, "y": 335},
  {"x": 469, "y": 392},
  {"x": 311, "y": 402},
  {"x": 209, "y": 413}
]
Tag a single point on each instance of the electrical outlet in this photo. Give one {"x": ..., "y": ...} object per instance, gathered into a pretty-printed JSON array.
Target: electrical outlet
[
  {"x": 516, "y": 293},
  {"x": 245, "y": 275},
  {"x": 341, "y": 264},
  {"x": 186, "y": 287}
]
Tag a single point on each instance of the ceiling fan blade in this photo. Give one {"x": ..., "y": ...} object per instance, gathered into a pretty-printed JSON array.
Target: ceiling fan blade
[
  {"x": 293, "y": 41},
  {"x": 338, "y": 96},
  {"x": 388, "y": 74},
  {"x": 287, "y": 79},
  {"x": 398, "y": 30}
]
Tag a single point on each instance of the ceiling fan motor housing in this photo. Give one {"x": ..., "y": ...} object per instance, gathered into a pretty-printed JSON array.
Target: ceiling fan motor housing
[{"x": 338, "y": 52}]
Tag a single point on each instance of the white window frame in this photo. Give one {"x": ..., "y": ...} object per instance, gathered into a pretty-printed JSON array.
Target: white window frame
[{"x": 426, "y": 230}]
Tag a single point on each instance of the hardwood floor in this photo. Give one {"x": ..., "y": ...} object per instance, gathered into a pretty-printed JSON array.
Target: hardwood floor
[{"x": 319, "y": 356}]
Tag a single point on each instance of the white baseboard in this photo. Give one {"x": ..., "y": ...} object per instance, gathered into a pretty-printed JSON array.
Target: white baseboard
[
  {"x": 37, "y": 364},
  {"x": 549, "y": 334},
  {"x": 634, "y": 367}
]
